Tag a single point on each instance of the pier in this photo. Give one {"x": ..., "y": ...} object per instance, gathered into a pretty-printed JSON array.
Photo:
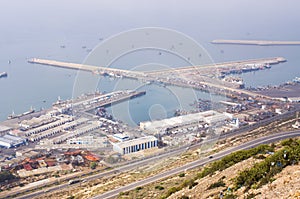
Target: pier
[
  {"x": 106, "y": 101},
  {"x": 90, "y": 68},
  {"x": 141, "y": 75},
  {"x": 224, "y": 65},
  {"x": 255, "y": 42},
  {"x": 205, "y": 77}
]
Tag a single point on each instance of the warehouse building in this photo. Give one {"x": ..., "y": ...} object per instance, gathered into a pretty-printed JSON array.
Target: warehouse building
[
  {"x": 121, "y": 137},
  {"x": 135, "y": 145},
  {"x": 77, "y": 132},
  {"x": 59, "y": 122},
  {"x": 160, "y": 126},
  {"x": 8, "y": 141},
  {"x": 4, "y": 129}
]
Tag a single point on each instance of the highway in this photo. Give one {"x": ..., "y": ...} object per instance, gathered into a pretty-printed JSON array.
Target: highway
[
  {"x": 124, "y": 168},
  {"x": 131, "y": 166},
  {"x": 198, "y": 163}
]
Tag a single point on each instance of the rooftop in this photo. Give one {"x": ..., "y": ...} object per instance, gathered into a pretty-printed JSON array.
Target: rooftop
[{"x": 136, "y": 141}]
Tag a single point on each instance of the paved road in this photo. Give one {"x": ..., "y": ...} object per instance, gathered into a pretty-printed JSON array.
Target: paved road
[
  {"x": 120, "y": 169},
  {"x": 197, "y": 163},
  {"x": 133, "y": 165}
]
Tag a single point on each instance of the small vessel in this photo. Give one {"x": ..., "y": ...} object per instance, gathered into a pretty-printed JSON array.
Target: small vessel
[
  {"x": 267, "y": 66},
  {"x": 296, "y": 80},
  {"x": 3, "y": 74},
  {"x": 13, "y": 115}
]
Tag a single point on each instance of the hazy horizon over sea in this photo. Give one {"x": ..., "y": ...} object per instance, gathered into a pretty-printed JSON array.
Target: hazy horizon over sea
[{"x": 68, "y": 30}]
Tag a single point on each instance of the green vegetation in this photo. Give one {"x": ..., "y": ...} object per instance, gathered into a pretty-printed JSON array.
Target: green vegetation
[
  {"x": 251, "y": 195},
  {"x": 171, "y": 191},
  {"x": 93, "y": 165},
  {"x": 193, "y": 184},
  {"x": 220, "y": 165},
  {"x": 159, "y": 187},
  {"x": 230, "y": 196},
  {"x": 234, "y": 158},
  {"x": 263, "y": 172},
  {"x": 138, "y": 188},
  {"x": 184, "y": 197},
  {"x": 6, "y": 175},
  {"x": 181, "y": 175},
  {"x": 220, "y": 183},
  {"x": 261, "y": 157},
  {"x": 124, "y": 193}
]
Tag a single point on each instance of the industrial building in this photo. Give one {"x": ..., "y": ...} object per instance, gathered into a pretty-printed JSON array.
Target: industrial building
[
  {"x": 71, "y": 134},
  {"x": 159, "y": 126},
  {"x": 89, "y": 140},
  {"x": 4, "y": 129},
  {"x": 8, "y": 141},
  {"x": 121, "y": 137},
  {"x": 135, "y": 145},
  {"x": 61, "y": 120}
]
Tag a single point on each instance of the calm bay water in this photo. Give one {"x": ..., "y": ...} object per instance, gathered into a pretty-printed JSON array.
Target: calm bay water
[{"x": 40, "y": 29}]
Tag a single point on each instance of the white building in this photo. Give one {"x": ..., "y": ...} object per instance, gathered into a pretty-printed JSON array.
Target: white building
[
  {"x": 135, "y": 145},
  {"x": 210, "y": 117},
  {"x": 89, "y": 141},
  {"x": 121, "y": 137},
  {"x": 4, "y": 129},
  {"x": 9, "y": 141}
]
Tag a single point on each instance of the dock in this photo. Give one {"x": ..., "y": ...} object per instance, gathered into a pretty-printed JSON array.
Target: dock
[
  {"x": 118, "y": 98},
  {"x": 141, "y": 75},
  {"x": 90, "y": 68},
  {"x": 89, "y": 103},
  {"x": 241, "y": 63},
  {"x": 204, "y": 77},
  {"x": 255, "y": 42}
]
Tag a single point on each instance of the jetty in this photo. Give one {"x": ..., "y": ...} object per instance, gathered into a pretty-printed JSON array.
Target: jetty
[
  {"x": 201, "y": 77},
  {"x": 255, "y": 42}
]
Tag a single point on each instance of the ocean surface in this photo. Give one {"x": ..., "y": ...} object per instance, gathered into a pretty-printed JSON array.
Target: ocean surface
[{"x": 70, "y": 30}]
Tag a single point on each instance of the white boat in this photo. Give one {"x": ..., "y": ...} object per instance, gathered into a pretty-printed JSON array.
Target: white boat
[{"x": 3, "y": 74}]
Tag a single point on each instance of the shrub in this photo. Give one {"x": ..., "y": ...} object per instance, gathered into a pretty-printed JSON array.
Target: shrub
[
  {"x": 172, "y": 190},
  {"x": 159, "y": 187},
  {"x": 262, "y": 173},
  {"x": 93, "y": 165},
  {"x": 184, "y": 197},
  {"x": 217, "y": 184},
  {"x": 193, "y": 184}
]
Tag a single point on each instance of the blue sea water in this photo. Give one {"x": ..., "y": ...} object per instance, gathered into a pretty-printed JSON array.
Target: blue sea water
[{"x": 68, "y": 30}]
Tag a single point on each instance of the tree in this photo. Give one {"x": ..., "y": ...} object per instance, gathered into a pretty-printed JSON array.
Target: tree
[
  {"x": 6, "y": 175},
  {"x": 93, "y": 165}
]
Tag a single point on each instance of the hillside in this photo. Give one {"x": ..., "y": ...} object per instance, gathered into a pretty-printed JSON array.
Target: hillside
[{"x": 267, "y": 171}]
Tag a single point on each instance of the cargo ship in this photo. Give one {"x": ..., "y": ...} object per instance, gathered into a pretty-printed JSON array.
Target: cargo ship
[
  {"x": 3, "y": 74},
  {"x": 13, "y": 115}
]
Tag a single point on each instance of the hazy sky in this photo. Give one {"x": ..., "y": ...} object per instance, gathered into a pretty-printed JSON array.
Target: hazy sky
[{"x": 66, "y": 17}]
